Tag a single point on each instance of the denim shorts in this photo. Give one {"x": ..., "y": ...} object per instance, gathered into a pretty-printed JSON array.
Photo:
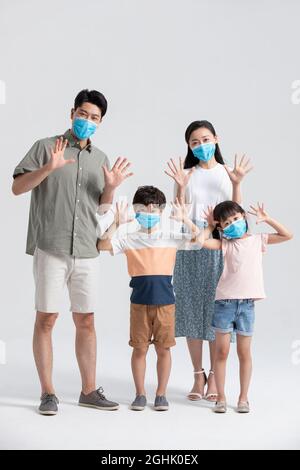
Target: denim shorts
[{"x": 234, "y": 315}]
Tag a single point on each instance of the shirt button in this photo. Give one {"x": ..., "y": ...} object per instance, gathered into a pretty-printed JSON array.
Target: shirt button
[
  {"x": 76, "y": 218},
  {"x": 79, "y": 184},
  {"x": 75, "y": 234},
  {"x": 77, "y": 200}
]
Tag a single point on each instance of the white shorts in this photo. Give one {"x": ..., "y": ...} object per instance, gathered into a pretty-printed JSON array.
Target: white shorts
[{"x": 53, "y": 272}]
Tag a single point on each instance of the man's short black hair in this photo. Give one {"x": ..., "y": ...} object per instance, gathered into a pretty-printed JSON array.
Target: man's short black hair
[
  {"x": 91, "y": 96},
  {"x": 149, "y": 195}
]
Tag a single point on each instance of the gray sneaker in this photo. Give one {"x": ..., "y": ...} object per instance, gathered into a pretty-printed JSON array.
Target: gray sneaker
[
  {"x": 48, "y": 404},
  {"x": 96, "y": 399},
  {"x": 161, "y": 403},
  {"x": 139, "y": 403}
]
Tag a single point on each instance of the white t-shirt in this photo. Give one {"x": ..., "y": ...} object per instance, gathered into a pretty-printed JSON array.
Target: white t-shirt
[{"x": 206, "y": 187}]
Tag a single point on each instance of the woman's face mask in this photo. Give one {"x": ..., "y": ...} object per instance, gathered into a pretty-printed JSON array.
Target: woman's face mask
[
  {"x": 204, "y": 152},
  {"x": 147, "y": 219},
  {"x": 237, "y": 229}
]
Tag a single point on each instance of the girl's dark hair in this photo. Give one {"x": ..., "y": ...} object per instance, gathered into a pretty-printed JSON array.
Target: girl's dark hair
[
  {"x": 91, "y": 96},
  {"x": 224, "y": 210},
  {"x": 149, "y": 195},
  {"x": 190, "y": 159}
]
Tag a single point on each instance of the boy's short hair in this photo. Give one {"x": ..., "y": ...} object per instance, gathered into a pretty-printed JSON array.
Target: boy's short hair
[{"x": 146, "y": 195}]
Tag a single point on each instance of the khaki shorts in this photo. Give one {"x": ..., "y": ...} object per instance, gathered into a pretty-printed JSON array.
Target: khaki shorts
[
  {"x": 52, "y": 273},
  {"x": 152, "y": 324}
]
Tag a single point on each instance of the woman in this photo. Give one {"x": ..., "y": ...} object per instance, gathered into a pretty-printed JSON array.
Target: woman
[{"x": 204, "y": 180}]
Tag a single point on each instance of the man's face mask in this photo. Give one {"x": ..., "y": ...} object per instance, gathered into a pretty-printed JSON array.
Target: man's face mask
[{"x": 83, "y": 128}]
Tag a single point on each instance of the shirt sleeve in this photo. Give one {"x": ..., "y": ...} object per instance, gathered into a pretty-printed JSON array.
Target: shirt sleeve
[
  {"x": 33, "y": 160},
  {"x": 104, "y": 221},
  {"x": 119, "y": 245},
  {"x": 264, "y": 242}
]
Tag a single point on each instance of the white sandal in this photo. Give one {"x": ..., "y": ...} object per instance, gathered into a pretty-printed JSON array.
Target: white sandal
[
  {"x": 194, "y": 396},
  {"x": 211, "y": 395}
]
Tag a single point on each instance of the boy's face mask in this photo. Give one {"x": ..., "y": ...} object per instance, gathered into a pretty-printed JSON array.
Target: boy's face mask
[
  {"x": 235, "y": 230},
  {"x": 204, "y": 152},
  {"x": 147, "y": 219}
]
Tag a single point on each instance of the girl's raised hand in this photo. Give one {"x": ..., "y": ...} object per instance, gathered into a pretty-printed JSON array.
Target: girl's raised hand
[
  {"x": 177, "y": 172},
  {"x": 242, "y": 166},
  {"x": 259, "y": 212}
]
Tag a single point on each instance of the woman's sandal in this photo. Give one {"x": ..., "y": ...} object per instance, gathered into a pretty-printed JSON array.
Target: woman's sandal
[
  {"x": 212, "y": 397},
  {"x": 243, "y": 407},
  {"x": 194, "y": 396}
]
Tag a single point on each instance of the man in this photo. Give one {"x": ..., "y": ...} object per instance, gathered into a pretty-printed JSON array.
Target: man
[{"x": 69, "y": 177}]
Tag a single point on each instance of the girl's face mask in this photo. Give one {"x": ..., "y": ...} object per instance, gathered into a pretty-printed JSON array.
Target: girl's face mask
[{"x": 235, "y": 230}]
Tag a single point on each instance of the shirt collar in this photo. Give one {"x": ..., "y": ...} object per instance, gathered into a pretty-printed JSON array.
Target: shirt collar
[{"x": 74, "y": 142}]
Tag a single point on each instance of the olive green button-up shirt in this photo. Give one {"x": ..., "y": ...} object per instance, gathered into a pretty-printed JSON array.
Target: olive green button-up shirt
[{"x": 63, "y": 207}]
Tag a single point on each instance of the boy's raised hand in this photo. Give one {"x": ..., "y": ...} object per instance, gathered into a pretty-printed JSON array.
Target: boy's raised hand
[
  {"x": 241, "y": 168},
  {"x": 177, "y": 172},
  {"x": 179, "y": 212},
  {"x": 121, "y": 214},
  {"x": 259, "y": 212},
  {"x": 209, "y": 216}
]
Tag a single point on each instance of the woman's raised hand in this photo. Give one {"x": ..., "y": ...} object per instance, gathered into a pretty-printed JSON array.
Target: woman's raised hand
[
  {"x": 177, "y": 172},
  {"x": 241, "y": 168}
]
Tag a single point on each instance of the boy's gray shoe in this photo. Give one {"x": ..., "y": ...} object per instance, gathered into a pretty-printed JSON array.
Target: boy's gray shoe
[
  {"x": 139, "y": 403},
  {"x": 48, "y": 405},
  {"x": 161, "y": 403},
  {"x": 96, "y": 399}
]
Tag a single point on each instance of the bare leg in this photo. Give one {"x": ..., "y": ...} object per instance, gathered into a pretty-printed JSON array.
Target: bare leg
[
  {"x": 195, "y": 348},
  {"x": 164, "y": 362},
  {"x": 86, "y": 350},
  {"x": 211, "y": 383},
  {"x": 42, "y": 349},
  {"x": 244, "y": 354},
  {"x": 222, "y": 351},
  {"x": 138, "y": 366}
]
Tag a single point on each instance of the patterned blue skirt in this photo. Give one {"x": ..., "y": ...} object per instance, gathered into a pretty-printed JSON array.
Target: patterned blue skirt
[{"x": 196, "y": 276}]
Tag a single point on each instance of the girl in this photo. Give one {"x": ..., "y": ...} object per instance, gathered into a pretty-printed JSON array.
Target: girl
[
  {"x": 202, "y": 180},
  {"x": 240, "y": 285}
]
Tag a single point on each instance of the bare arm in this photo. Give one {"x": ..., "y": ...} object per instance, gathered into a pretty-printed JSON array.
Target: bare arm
[
  {"x": 104, "y": 243},
  {"x": 282, "y": 233},
  {"x": 28, "y": 181}
]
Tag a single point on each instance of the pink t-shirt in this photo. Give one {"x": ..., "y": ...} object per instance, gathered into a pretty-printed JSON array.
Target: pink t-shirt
[{"x": 242, "y": 276}]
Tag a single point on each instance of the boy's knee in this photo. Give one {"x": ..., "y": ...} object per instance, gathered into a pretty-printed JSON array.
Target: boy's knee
[
  {"x": 140, "y": 352},
  {"x": 162, "y": 350}
]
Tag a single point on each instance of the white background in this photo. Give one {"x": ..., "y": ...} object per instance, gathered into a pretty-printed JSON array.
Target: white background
[{"x": 161, "y": 65}]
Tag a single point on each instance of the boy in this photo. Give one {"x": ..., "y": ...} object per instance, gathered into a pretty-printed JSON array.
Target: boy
[{"x": 151, "y": 256}]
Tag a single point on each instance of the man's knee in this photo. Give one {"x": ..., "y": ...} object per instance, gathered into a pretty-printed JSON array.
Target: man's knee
[
  {"x": 84, "y": 321},
  {"x": 45, "y": 321}
]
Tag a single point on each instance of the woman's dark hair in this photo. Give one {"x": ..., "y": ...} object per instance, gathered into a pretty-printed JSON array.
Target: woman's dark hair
[
  {"x": 224, "y": 210},
  {"x": 149, "y": 195},
  {"x": 91, "y": 96},
  {"x": 190, "y": 159}
]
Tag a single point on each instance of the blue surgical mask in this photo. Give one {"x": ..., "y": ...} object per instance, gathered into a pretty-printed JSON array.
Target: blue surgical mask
[
  {"x": 147, "y": 219},
  {"x": 235, "y": 230},
  {"x": 83, "y": 128},
  {"x": 204, "y": 152}
]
